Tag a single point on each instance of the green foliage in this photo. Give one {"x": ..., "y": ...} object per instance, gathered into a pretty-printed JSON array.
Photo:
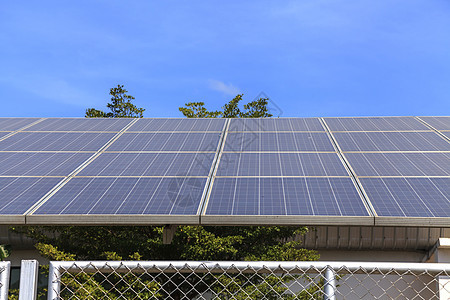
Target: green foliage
[
  {"x": 264, "y": 286},
  {"x": 198, "y": 110},
  {"x": 95, "y": 113},
  {"x": 5, "y": 251},
  {"x": 189, "y": 243},
  {"x": 120, "y": 106},
  {"x": 52, "y": 253},
  {"x": 231, "y": 109},
  {"x": 255, "y": 109}
]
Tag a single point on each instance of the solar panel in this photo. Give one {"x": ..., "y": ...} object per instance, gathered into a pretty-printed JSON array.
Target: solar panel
[
  {"x": 391, "y": 141},
  {"x": 269, "y": 171},
  {"x": 150, "y": 164},
  {"x": 174, "y": 141},
  {"x": 409, "y": 197},
  {"x": 18, "y": 194},
  {"x": 279, "y": 124},
  {"x": 400, "y": 164},
  {"x": 2, "y": 134},
  {"x": 178, "y": 125},
  {"x": 447, "y": 134},
  {"x": 126, "y": 196},
  {"x": 278, "y": 141},
  {"x": 438, "y": 123},
  {"x": 395, "y": 176},
  {"x": 280, "y": 164},
  {"x": 81, "y": 124},
  {"x": 55, "y": 141},
  {"x": 285, "y": 196},
  {"x": 40, "y": 163},
  {"x": 375, "y": 124},
  {"x": 13, "y": 124}
]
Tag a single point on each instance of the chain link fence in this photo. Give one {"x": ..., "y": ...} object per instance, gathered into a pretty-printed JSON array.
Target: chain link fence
[{"x": 247, "y": 280}]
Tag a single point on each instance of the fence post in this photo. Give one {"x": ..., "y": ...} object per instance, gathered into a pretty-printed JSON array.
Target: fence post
[
  {"x": 29, "y": 271},
  {"x": 4, "y": 280},
  {"x": 330, "y": 284},
  {"x": 54, "y": 284}
]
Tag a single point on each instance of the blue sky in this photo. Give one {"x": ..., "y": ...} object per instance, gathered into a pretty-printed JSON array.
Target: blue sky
[{"x": 311, "y": 57}]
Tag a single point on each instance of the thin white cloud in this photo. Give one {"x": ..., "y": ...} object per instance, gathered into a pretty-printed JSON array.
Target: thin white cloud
[{"x": 220, "y": 86}]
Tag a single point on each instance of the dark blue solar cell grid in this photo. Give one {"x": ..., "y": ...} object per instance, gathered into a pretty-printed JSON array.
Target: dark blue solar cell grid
[
  {"x": 282, "y": 141},
  {"x": 178, "y": 125},
  {"x": 18, "y": 194},
  {"x": 12, "y": 124},
  {"x": 276, "y": 124},
  {"x": 391, "y": 141},
  {"x": 150, "y": 164},
  {"x": 2, "y": 134},
  {"x": 55, "y": 141},
  {"x": 40, "y": 164},
  {"x": 166, "y": 142},
  {"x": 375, "y": 124},
  {"x": 400, "y": 164},
  {"x": 148, "y": 196},
  {"x": 409, "y": 197},
  {"x": 285, "y": 196},
  {"x": 81, "y": 124},
  {"x": 439, "y": 123},
  {"x": 280, "y": 164}
]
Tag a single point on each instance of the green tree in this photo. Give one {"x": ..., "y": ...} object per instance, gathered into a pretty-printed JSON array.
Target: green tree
[
  {"x": 120, "y": 106},
  {"x": 198, "y": 110},
  {"x": 255, "y": 109}
]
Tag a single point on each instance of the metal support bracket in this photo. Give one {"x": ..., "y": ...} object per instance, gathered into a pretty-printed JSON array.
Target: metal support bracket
[{"x": 169, "y": 233}]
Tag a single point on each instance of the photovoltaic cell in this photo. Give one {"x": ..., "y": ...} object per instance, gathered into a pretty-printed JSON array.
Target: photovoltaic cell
[
  {"x": 285, "y": 196},
  {"x": 409, "y": 197},
  {"x": 55, "y": 141},
  {"x": 12, "y": 124},
  {"x": 280, "y": 164},
  {"x": 191, "y": 124},
  {"x": 166, "y": 142},
  {"x": 447, "y": 134},
  {"x": 278, "y": 124},
  {"x": 116, "y": 196},
  {"x": 438, "y": 123},
  {"x": 2, "y": 134},
  {"x": 400, "y": 164},
  {"x": 40, "y": 164},
  {"x": 281, "y": 141},
  {"x": 375, "y": 124},
  {"x": 81, "y": 124},
  {"x": 391, "y": 141},
  {"x": 18, "y": 194},
  {"x": 150, "y": 164}
]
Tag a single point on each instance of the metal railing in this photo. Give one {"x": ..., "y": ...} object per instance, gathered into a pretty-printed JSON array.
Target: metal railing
[
  {"x": 247, "y": 280},
  {"x": 4, "y": 279}
]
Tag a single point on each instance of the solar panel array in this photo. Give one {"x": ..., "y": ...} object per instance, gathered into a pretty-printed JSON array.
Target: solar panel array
[
  {"x": 401, "y": 163},
  {"x": 276, "y": 170},
  {"x": 156, "y": 169},
  {"x": 313, "y": 171}
]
